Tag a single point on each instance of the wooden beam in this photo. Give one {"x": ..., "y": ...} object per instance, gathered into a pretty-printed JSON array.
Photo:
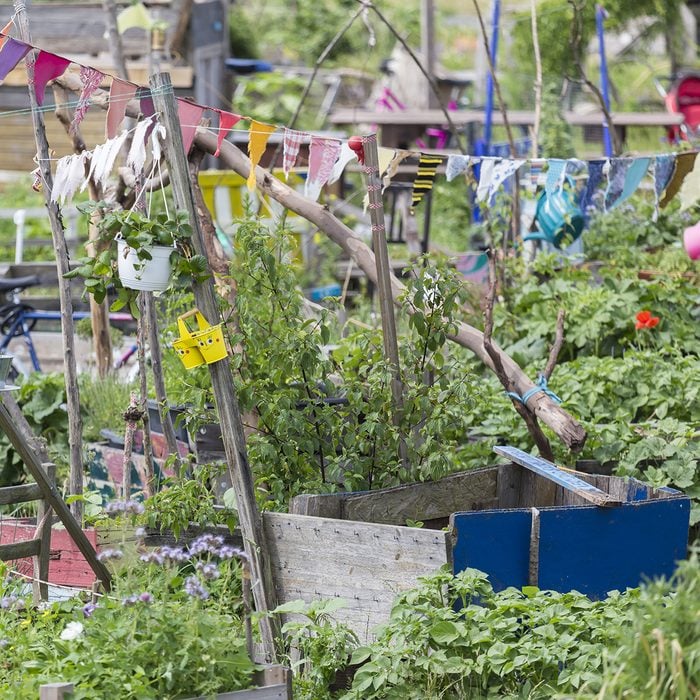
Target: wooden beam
[
  {"x": 19, "y": 494},
  {"x": 33, "y": 464},
  {"x": 75, "y": 424},
  {"x": 558, "y": 476},
  {"x": 221, "y": 377},
  {"x": 43, "y": 528},
  {"x": 20, "y": 550}
]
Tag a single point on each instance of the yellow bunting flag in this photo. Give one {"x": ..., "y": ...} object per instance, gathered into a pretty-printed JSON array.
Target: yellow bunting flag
[
  {"x": 427, "y": 167},
  {"x": 259, "y": 135}
]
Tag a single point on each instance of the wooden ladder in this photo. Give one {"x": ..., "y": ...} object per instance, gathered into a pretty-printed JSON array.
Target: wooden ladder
[{"x": 38, "y": 548}]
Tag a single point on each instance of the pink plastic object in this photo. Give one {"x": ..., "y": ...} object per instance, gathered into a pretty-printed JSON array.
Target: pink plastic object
[{"x": 691, "y": 241}]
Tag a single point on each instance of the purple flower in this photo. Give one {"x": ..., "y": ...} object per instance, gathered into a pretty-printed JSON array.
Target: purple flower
[
  {"x": 174, "y": 554},
  {"x": 4, "y": 643},
  {"x": 88, "y": 609},
  {"x": 11, "y": 602},
  {"x": 130, "y": 600},
  {"x": 107, "y": 554},
  {"x": 206, "y": 544},
  {"x": 146, "y": 597},
  {"x": 152, "y": 558},
  {"x": 195, "y": 588},
  {"x": 229, "y": 552},
  {"x": 118, "y": 507},
  {"x": 209, "y": 571},
  {"x": 140, "y": 533}
]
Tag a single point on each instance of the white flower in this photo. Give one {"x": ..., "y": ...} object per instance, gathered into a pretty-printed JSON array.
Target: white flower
[{"x": 72, "y": 631}]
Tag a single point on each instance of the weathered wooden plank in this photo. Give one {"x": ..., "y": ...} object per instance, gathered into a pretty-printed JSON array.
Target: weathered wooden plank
[
  {"x": 472, "y": 490},
  {"x": 20, "y": 550},
  {"x": 43, "y": 521},
  {"x": 509, "y": 478},
  {"x": 424, "y": 501},
  {"x": 558, "y": 476},
  {"x": 19, "y": 494},
  {"x": 55, "y": 691},
  {"x": 272, "y": 692},
  {"x": 366, "y": 564}
]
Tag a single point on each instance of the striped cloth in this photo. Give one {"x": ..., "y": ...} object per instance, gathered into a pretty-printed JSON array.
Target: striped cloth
[
  {"x": 427, "y": 167},
  {"x": 292, "y": 143}
]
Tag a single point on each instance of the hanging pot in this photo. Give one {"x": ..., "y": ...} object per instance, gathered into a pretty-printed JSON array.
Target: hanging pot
[{"x": 145, "y": 275}]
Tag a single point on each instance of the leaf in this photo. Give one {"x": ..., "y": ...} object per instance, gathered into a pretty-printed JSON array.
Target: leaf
[
  {"x": 360, "y": 655},
  {"x": 444, "y": 632},
  {"x": 295, "y": 607}
]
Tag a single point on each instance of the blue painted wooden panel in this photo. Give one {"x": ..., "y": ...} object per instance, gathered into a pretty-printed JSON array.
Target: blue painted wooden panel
[
  {"x": 596, "y": 550},
  {"x": 494, "y": 541}
]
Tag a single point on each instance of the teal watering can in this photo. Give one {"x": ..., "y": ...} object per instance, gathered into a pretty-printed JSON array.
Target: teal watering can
[{"x": 558, "y": 218}]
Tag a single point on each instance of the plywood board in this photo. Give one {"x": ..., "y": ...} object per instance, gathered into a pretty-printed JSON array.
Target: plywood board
[{"x": 365, "y": 564}]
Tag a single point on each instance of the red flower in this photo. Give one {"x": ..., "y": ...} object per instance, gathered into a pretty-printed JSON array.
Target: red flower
[{"x": 646, "y": 320}]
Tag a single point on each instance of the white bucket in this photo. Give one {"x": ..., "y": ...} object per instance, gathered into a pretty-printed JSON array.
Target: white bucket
[{"x": 146, "y": 275}]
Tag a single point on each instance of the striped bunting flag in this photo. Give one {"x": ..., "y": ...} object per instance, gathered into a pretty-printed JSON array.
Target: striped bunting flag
[{"x": 427, "y": 167}]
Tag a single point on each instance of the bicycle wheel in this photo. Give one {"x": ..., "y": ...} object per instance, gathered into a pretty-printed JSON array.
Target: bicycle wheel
[{"x": 8, "y": 317}]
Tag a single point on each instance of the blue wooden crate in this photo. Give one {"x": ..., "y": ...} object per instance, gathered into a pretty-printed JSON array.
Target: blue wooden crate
[{"x": 563, "y": 531}]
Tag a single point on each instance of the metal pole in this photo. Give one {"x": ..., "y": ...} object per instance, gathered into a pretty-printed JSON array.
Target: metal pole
[{"x": 600, "y": 15}]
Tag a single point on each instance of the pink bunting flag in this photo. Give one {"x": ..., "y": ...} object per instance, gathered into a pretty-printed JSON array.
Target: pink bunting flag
[
  {"x": 189, "y": 115},
  {"x": 292, "y": 143},
  {"x": 5, "y": 31},
  {"x": 91, "y": 79},
  {"x": 323, "y": 153},
  {"x": 227, "y": 120},
  {"x": 48, "y": 67},
  {"x": 119, "y": 95},
  {"x": 12, "y": 53}
]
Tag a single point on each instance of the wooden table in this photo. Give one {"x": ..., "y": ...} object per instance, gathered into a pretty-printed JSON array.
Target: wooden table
[{"x": 401, "y": 128}]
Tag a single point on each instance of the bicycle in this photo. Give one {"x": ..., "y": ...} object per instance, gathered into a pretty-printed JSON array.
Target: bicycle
[{"x": 18, "y": 319}]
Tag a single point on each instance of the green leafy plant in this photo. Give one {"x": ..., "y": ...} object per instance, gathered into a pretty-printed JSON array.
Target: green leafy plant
[{"x": 140, "y": 232}]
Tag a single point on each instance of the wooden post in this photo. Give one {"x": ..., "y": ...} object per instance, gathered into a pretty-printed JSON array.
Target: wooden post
[
  {"x": 115, "y": 41},
  {"x": 386, "y": 300},
  {"x": 75, "y": 424},
  {"x": 43, "y": 523},
  {"x": 149, "y": 311},
  {"x": 33, "y": 463},
  {"x": 55, "y": 691},
  {"x": 427, "y": 34},
  {"x": 221, "y": 377}
]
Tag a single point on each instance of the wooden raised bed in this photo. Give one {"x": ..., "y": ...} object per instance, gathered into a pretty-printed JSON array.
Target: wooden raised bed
[
  {"x": 275, "y": 684},
  {"x": 523, "y": 523}
]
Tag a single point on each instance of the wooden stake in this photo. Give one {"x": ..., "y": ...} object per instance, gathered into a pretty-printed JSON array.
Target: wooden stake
[
  {"x": 221, "y": 378},
  {"x": 75, "y": 424},
  {"x": 386, "y": 301},
  {"x": 115, "y": 41},
  {"x": 25, "y": 447}
]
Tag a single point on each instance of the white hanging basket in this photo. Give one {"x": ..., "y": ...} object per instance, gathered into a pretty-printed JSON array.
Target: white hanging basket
[{"x": 145, "y": 275}]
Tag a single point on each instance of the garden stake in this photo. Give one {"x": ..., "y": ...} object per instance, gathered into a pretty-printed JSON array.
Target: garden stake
[
  {"x": 132, "y": 416},
  {"x": 221, "y": 379},
  {"x": 75, "y": 423},
  {"x": 142, "y": 334}
]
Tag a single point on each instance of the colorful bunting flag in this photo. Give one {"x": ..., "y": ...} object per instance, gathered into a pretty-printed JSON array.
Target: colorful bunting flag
[
  {"x": 103, "y": 158},
  {"x": 5, "y": 31},
  {"x": 137, "y": 153},
  {"x": 631, "y": 175},
  {"x": 427, "y": 167},
  {"x": 501, "y": 172},
  {"x": 456, "y": 165},
  {"x": 399, "y": 157},
  {"x": 259, "y": 136},
  {"x": 662, "y": 170},
  {"x": 384, "y": 158},
  {"x": 227, "y": 120},
  {"x": 485, "y": 178},
  {"x": 344, "y": 157},
  {"x": 189, "y": 115},
  {"x": 684, "y": 164},
  {"x": 70, "y": 174},
  {"x": 555, "y": 175},
  {"x": 595, "y": 177},
  {"x": 120, "y": 92},
  {"x": 292, "y": 143},
  {"x": 48, "y": 66},
  {"x": 145, "y": 99},
  {"x": 90, "y": 79},
  {"x": 12, "y": 53},
  {"x": 323, "y": 153}
]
